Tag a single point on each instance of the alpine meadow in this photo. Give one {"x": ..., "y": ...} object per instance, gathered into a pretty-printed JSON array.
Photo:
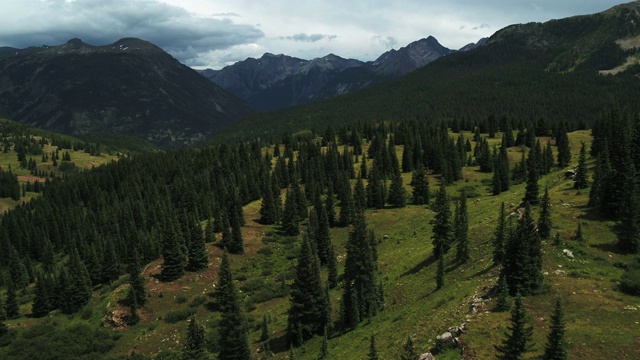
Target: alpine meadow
[{"x": 481, "y": 203}]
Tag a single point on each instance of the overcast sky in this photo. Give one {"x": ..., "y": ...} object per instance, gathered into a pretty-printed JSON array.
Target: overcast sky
[{"x": 215, "y": 33}]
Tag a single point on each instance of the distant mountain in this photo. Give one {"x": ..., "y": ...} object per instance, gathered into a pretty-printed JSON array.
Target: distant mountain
[
  {"x": 129, "y": 87},
  {"x": 277, "y": 81},
  {"x": 571, "y": 69}
]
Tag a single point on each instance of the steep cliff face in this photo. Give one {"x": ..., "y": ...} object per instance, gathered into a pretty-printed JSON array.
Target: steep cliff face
[{"x": 129, "y": 87}]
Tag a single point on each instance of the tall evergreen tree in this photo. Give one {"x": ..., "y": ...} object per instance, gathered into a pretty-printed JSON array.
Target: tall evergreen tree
[
  {"x": 442, "y": 223},
  {"x": 519, "y": 334},
  {"x": 499, "y": 237},
  {"x": 173, "y": 265},
  {"x": 268, "y": 207},
  {"x": 629, "y": 234},
  {"x": 290, "y": 224},
  {"x": 136, "y": 280},
  {"x": 234, "y": 345},
  {"x": 194, "y": 346},
  {"x": 580, "y": 179},
  {"x": 198, "y": 259},
  {"x": 308, "y": 302},
  {"x": 42, "y": 301},
  {"x": 110, "y": 263},
  {"x": 397, "y": 194},
  {"x": 11, "y": 308},
  {"x": 562, "y": 142},
  {"x": 236, "y": 244},
  {"x": 420, "y": 184},
  {"x": 502, "y": 302},
  {"x": 78, "y": 291},
  {"x": 531, "y": 191},
  {"x": 322, "y": 234},
  {"x": 556, "y": 347},
  {"x": 544, "y": 222},
  {"x": 522, "y": 263},
  {"x": 461, "y": 229}
]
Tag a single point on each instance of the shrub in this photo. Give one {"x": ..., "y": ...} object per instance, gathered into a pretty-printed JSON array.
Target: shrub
[
  {"x": 173, "y": 316},
  {"x": 630, "y": 282}
]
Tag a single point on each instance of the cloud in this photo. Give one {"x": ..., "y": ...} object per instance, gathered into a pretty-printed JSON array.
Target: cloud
[
  {"x": 178, "y": 31},
  {"x": 309, "y": 37},
  {"x": 388, "y": 42},
  {"x": 226, "y": 14},
  {"x": 481, "y": 27}
]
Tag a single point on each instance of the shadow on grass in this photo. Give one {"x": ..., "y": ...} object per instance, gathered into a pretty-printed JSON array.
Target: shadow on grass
[{"x": 423, "y": 264}]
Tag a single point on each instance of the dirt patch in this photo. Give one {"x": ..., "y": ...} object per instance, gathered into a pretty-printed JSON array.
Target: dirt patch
[{"x": 31, "y": 179}]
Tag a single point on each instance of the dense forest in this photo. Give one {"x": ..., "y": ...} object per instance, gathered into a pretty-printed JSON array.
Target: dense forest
[{"x": 95, "y": 228}]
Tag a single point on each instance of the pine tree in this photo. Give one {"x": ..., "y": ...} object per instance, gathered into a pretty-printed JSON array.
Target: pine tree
[
  {"x": 373, "y": 353},
  {"x": 629, "y": 235},
  {"x": 136, "y": 280},
  {"x": 562, "y": 142},
  {"x": 173, "y": 265},
  {"x": 11, "y": 308},
  {"x": 78, "y": 291},
  {"x": 580, "y": 179},
  {"x": 236, "y": 245},
  {"x": 502, "y": 302},
  {"x": 556, "y": 348},
  {"x": 234, "y": 344},
  {"x": 461, "y": 229},
  {"x": 522, "y": 263},
  {"x": 500, "y": 236},
  {"x": 420, "y": 184},
  {"x": 110, "y": 263},
  {"x": 408, "y": 351},
  {"x": 209, "y": 232},
  {"x": 198, "y": 258},
  {"x": 322, "y": 234},
  {"x": 397, "y": 194},
  {"x": 268, "y": 206},
  {"x": 544, "y": 222},
  {"x": 531, "y": 191},
  {"x": 42, "y": 301},
  {"x": 306, "y": 315},
  {"x": 290, "y": 216},
  {"x": 194, "y": 346},
  {"x": 520, "y": 334},
  {"x": 442, "y": 223}
]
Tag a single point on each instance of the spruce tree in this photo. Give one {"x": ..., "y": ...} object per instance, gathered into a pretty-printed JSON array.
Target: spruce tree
[
  {"x": 373, "y": 353},
  {"x": 502, "y": 302},
  {"x": 562, "y": 142},
  {"x": 268, "y": 206},
  {"x": 531, "y": 191},
  {"x": 580, "y": 179},
  {"x": 629, "y": 234},
  {"x": 306, "y": 315},
  {"x": 194, "y": 346},
  {"x": 522, "y": 263},
  {"x": 198, "y": 258},
  {"x": 519, "y": 334},
  {"x": 499, "y": 237},
  {"x": 136, "y": 280},
  {"x": 290, "y": 224},
  {"x": 42, "y": 301},
  {"x": 110, "y": 263},
  {"x": 234, "y": 345},
  {"x": 322, "y": 234},
  {"x": 78, "y": 291},
  {"x": 442, "y": 223},
  {"x": 236, "y": 245},
  {"x": 461, "y": 229},
  {"x": 420, "y": 184},
  {"x": 544, "y": 222},
  {"x": 173, "y": 265},
  {"x": 11, "y": 308},
  {"x": 408, "y": 351},
  {"x": 397, "y": 194},
  {"x": 556, "y": 347},
  {"x": 209, "y": 232}
]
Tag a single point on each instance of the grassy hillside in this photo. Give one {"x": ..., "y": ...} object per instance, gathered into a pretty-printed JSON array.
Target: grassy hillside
[{"x": 601, "y": 321}]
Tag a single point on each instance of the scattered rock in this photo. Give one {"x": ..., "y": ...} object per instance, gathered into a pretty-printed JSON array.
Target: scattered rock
[
  {"x": 568, "y": 253},
  {"x": 629, "y": 307},
  {"x": 559, "y": 272},
  {"x": 427, "y": 356},
  {"x": 385, "y": 237}
]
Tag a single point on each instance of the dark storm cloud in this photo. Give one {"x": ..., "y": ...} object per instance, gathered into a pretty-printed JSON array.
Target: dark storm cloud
[{"x": 177, "y": 31}]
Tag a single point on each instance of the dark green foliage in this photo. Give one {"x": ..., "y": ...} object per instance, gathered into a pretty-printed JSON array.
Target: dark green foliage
[
  {"x": 442, "y": 230},
  {"x": 173, "y": 265},
  {"x": 136, "y": 281},
  {"x": 562, "y": 142},
  {"x": 264, "y": 329},
  {"x": 198, "y": 259},
  {"x": 194, "y": 346},
  {"x": 134, "y": 318},
  {"x": 461, "y": 229},
  {"x": 501, "y": 180},
  {"x": 209, "y": 232},
  {"x": 306, "y": 315},
  {"x": 397, "y": 194},
  {"x": 420, "y": 184},
  {"x": 290, "y": 222},
  {"x": 324, "y": 347},
  {"x": 408, "y": 351},
  {"x": 360, "y": 275},
  {"x": 322, "y": 235},
  {"x": 268, "y": 213},
  {"x": 110, "y": 263},
  {"x": 578, "y": 236},
  {"x": 522, "y": 263},
  {"x": 544, "y": 222},
  {"x": 234, "y": 344},
  {"x": 630, "y": 281},
  {"x": 629, "y": 234},
  {"x": 236, "y": 243},
  {"x": 531, "y": 191},
  {"x": 78, "y": 288},
  {"x": 373, "y": 353},
  {"x": 11, "y": 308},
  {"x": 556, "y": 344},
  {"x": 502, "y": 302},
  {"x": 580, "y": 179},
  {"x": 500, "y": 237},
  {"x": 42, "y": 302},
  {"x": 519, "y": 334},
  {"x": 332, "y": 268}
]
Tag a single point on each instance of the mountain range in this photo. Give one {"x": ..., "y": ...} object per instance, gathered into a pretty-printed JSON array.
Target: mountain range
[
  {"x": 278, "y": 81},
  {"x": 128, "y": 87}
]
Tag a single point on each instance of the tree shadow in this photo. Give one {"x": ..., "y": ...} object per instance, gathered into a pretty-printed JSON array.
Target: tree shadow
[
  {"x": 279, "y": 344},
  {"x": 423, "y": 264},
  {"x": 483, "y": 272}
]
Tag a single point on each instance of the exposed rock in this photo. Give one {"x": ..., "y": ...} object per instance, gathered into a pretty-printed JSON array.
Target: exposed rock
[
  {"x": 568, "y": 253},
  {"x": 427, "y": 356}
]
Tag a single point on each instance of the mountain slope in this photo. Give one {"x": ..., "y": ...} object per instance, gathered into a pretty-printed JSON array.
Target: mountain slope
[
  {"x": 552, "y": 68},
  {"x": 278, "y": 81},
  {"x": 130, "y": 87}
]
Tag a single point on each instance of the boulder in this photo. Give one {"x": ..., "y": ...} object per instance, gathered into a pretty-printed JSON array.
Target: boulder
[
  {"x": 427, "y": 356},
  {"x": 568, "y": 253}
]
